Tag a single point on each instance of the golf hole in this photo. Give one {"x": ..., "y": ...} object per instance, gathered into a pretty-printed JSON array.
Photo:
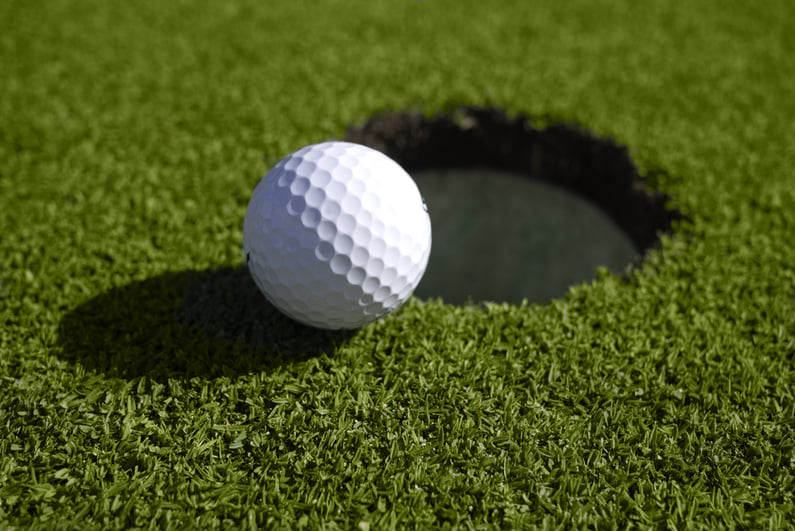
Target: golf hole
[
  {"x": 519, "y": 213},
  {"x": 501, "y": 237}
]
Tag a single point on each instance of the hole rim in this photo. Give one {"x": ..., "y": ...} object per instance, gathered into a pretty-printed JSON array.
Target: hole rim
[{"x": 562, "y": 154}]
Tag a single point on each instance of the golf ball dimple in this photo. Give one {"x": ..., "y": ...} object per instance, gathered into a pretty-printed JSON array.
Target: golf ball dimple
[{"x": 336, "y": 235}]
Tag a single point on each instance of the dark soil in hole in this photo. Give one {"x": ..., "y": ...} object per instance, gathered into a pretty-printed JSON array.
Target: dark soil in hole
[{"x": 598, "y": 169}]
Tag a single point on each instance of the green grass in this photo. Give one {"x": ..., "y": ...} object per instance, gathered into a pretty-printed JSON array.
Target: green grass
[{"x": 144, "y": 385}]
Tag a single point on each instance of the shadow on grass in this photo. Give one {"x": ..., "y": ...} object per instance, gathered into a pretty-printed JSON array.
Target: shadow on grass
[{"x": 190, "y": 323}]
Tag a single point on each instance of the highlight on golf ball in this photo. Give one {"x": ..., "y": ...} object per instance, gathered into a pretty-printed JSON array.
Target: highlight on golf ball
[{"x": 336, "y": 235}]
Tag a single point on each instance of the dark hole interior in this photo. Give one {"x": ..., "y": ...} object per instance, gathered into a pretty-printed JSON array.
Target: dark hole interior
[{"x": 515, "y": 208}]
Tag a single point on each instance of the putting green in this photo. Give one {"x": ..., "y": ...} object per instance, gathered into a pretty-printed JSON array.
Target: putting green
[{"x": 145, "y": 384}]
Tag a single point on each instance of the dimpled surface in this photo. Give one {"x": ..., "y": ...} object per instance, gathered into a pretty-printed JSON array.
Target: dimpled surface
[{"x": 336, "y": 235}]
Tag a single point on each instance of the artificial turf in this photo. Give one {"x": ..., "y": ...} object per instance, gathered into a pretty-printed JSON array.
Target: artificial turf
[{"x": 144, "y": 384}]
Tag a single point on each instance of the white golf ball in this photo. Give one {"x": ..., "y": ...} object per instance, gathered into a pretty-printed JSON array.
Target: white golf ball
[{"x": 336, "y": 235}]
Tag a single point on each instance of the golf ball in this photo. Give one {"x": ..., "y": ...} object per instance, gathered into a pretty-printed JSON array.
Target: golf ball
[{"x": 336, "y": 235}]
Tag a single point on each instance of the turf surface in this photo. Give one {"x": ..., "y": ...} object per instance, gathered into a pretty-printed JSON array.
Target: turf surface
[{"x": 144, "y": 385}]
